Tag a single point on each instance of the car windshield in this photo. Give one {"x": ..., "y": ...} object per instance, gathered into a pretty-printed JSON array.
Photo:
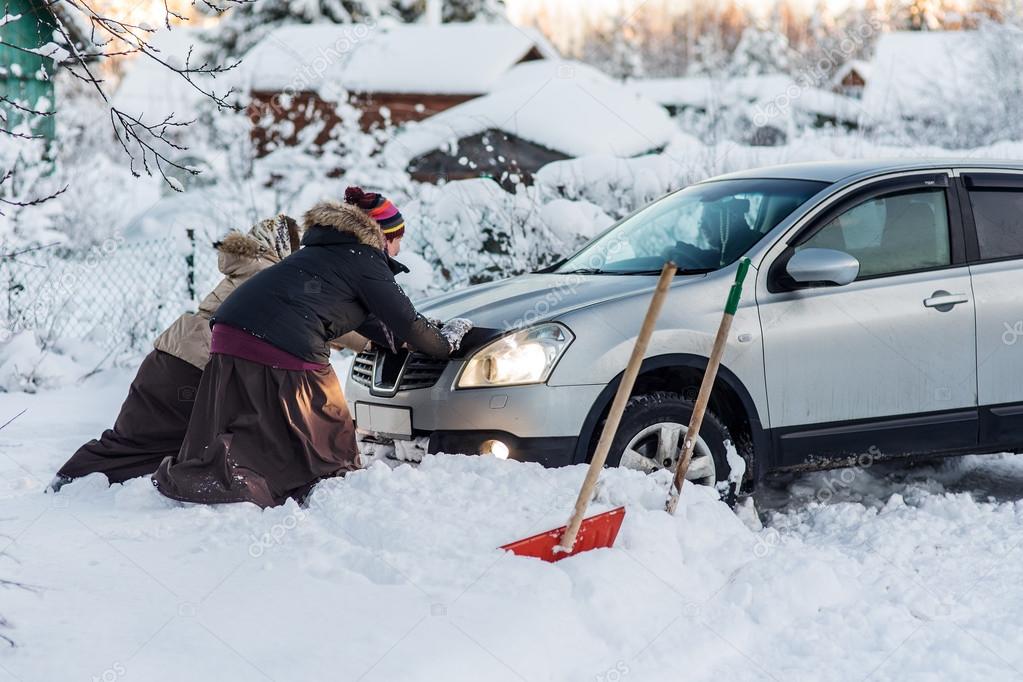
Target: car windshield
[{"x": 701, "y": 228}]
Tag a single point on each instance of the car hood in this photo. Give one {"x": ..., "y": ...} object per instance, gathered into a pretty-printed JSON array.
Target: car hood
[{"x": 497, "y": 307}]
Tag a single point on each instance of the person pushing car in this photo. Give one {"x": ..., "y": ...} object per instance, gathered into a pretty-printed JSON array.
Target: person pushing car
[{"x": 270, "y": 419}]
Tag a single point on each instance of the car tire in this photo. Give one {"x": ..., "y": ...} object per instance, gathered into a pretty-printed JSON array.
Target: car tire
[{"x": 646, "y": 414}]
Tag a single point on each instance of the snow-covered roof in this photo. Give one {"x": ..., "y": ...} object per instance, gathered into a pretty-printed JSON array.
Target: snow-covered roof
[
  {"x": 700, "y": 91},
  {"x": 465, "y": 58},
  {"x": 563, "y": 105},
  {"x": 914, "y": 72}
]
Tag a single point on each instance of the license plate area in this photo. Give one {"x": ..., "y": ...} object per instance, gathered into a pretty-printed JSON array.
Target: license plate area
[{"x": 384, "y": 420}]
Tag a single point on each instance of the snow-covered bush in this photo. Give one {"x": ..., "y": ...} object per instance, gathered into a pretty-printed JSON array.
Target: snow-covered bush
[
  {"x": 473, "y": 231},
  {"x": 29, "y": 364},
  {"x": 620, "y": 186}
]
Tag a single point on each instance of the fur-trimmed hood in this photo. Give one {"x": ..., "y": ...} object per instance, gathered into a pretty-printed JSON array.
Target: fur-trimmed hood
[
  {"x": 270, "y": 240},
  {"x": 345, "y": 218},
  {"x": 235, "y": 243}
]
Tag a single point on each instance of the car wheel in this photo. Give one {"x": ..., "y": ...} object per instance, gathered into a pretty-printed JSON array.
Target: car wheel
[{"x": 651, "y": 434}]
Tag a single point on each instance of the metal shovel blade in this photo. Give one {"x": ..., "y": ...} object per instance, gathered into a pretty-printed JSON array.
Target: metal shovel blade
[{"x": 596, "y": 532}]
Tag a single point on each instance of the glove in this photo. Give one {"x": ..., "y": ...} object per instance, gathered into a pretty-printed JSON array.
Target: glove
[{"x": 454, "y": 330}]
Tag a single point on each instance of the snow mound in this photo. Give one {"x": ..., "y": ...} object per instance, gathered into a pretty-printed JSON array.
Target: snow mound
[
  {"x": 394, "y": 574},
  {"x": 28, "y": 365},
  {"x": 575, "y": 221}
]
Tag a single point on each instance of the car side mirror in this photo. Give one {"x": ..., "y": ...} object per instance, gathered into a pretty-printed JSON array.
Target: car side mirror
[{"x": 823, "y": 265}]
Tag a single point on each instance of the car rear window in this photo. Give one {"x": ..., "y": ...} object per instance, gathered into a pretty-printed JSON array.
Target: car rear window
[{"x": 999, "y": 218}]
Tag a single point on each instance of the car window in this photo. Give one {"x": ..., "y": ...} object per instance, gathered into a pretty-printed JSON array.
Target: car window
[
  {"x": 703, "y": 227},
  {"x": 999, "y": 219},
  {"x": 887, "y": 235}
]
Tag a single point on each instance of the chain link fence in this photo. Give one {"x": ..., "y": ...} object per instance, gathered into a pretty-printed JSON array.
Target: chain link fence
[{"x": 118, "y": 295}]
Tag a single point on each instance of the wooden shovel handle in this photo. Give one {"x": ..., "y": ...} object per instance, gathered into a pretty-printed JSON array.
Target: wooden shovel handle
[
  {"x": 720, "y": 341},
  {"x": 614, "y": 416}
]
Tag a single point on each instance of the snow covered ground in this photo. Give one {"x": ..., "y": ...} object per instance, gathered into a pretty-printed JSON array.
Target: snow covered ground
[{"x": 895, "y": 573}]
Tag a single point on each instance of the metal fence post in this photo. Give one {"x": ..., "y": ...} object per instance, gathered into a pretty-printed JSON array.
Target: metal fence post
[{"x": 190, "y": 263}]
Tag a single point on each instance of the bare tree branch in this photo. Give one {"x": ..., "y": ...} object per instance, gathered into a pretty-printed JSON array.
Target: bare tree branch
[
  {"x": 147, "y": 144},
  {"x": 33, "y": 112}
]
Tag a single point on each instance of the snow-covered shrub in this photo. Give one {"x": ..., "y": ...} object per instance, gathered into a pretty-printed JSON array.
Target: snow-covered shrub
[
  {"x": 618, "y": 186},
  {"x": 574, "y": 222},
  {"x": 473, "y": 231}
]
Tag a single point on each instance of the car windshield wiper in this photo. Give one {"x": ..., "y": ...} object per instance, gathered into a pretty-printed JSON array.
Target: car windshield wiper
[
  {"x": 598, "y": 271},
  {"x": 681, "y": 271}
]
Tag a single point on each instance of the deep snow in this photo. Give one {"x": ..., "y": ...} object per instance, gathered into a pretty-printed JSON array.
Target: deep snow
[{"x": 891, "y": 573}]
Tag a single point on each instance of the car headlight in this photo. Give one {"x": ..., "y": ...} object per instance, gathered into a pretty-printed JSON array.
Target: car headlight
[{"x": 525, "y": 357}]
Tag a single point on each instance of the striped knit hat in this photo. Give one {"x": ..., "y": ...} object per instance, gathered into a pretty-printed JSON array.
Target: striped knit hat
[{"x": 379, "y": 209}]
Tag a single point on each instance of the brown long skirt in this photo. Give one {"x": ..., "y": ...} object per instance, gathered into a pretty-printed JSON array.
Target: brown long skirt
[
  {"x": 150, "y": 426},
  {"x": 260, "y": 434}
]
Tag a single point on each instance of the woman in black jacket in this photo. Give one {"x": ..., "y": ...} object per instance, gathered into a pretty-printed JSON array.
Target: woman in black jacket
[{"x": 269, "y": 419}]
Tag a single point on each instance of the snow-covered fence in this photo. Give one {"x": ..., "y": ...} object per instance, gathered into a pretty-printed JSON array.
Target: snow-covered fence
[{"x": 116, "y": 296}]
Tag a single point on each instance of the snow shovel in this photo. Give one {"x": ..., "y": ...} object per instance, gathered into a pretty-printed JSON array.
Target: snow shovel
[
  {"x": 693, "y": 434},
  {"x": 582, "y": 534}
]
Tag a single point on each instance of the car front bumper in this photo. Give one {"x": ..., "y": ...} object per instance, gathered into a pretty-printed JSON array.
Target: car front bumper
[{"x": 538, "y": 423}]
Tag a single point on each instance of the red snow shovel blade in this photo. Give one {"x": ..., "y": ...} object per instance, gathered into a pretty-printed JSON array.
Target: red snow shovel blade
[{"x": 595, "y": 532}]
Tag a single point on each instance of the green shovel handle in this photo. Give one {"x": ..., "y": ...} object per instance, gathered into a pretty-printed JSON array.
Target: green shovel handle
[{"x": 736, "y": 293}]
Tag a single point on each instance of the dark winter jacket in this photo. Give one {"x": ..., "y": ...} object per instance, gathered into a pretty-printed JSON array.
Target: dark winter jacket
[{"x": 341, "y": 281}]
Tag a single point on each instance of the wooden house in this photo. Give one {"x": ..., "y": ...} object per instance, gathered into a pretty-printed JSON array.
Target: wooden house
[{"x": 300, "y": 75}]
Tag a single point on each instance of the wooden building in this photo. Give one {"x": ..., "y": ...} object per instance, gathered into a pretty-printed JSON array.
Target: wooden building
[
  {"x": 303, "y": 75},
  {"x": 851, "y": 78}
]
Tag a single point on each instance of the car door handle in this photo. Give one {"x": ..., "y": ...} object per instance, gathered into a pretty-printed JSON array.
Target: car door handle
[{"x": 944, "y": 301}]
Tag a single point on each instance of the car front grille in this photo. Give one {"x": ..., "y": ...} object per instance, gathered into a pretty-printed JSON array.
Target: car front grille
[
  {"x": 362, "y": 369},
  {"x": 421, "y": 372},
  {"x": 380, "y": 370}
]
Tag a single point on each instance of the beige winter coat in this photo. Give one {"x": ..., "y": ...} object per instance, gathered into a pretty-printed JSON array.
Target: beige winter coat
[{"x": 240, "y": 256}]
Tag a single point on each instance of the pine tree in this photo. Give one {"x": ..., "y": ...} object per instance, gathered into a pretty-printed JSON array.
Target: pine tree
[
  {"x": 710, "y": 56},
  {"x": 473, "y": 10},
  {"x": 759, "y": 52}
]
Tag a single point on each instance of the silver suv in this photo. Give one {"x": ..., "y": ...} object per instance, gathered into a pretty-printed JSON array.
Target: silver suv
[{"x": 882, "y": 318}]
